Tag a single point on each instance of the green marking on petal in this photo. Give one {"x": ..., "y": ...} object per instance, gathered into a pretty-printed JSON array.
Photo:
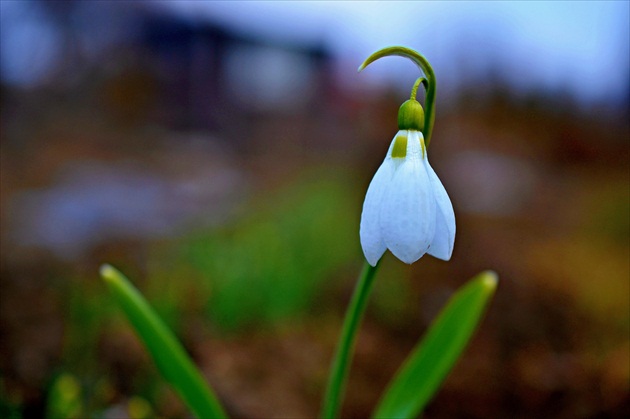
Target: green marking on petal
[
  {"x": 422, "y": 146},
  {"x": 400, "y": 147}
]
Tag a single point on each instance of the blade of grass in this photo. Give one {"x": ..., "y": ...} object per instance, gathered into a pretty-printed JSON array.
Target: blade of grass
[
  {"x": 169, "y": 355},
  {"x": 430, "y": 362}
]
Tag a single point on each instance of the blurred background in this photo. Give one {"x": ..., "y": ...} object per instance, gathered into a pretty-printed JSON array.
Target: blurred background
[{"x": 219, "y": 152}]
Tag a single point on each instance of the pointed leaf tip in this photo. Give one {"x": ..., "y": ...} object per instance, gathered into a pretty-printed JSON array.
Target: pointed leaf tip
[
  {"x": 489, "y": 279},
  {"x": 108, "y": 272}
]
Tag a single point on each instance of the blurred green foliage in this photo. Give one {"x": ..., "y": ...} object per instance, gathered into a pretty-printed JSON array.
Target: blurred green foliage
[
  {"x": 266, "y": 266},
  {"x": 9, "y": 406},
  {"x": 64, "y": 398}
]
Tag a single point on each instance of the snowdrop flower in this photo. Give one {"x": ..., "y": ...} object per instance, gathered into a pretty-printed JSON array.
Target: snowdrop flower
[{"x": 406, "y": 208}]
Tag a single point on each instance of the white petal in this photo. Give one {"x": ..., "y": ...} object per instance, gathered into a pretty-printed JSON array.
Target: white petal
[
  {"x": 442, "y": 244},
  {"x": 415, "y": 148},
  {"x": 370, "y": 231},
  {"x": 408, "y": 208}
]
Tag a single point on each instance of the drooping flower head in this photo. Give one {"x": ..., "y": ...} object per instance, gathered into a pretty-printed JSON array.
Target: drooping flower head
[{"x": 406, "y": 208}]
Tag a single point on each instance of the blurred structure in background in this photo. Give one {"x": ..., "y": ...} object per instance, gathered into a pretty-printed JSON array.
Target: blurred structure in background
[{"x": 218, "y": 153}]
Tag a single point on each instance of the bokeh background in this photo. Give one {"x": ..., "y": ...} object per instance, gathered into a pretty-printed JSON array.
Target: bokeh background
[{"x": 218, "y": 153}]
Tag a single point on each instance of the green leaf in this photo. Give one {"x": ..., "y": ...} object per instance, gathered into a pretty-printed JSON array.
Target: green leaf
[
  {"x": 169, "y": 355},
  {"x": 430, "y": 362}
]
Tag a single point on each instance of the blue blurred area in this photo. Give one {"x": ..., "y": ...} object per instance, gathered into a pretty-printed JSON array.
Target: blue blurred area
[
  {"x": 216, "y": 68},
  {"x": 218, "y": 153},
  {"x": 578, "y": 46}
]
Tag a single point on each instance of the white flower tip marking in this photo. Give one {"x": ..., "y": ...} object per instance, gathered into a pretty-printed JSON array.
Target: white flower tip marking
[{"x": 372, "y": 263}]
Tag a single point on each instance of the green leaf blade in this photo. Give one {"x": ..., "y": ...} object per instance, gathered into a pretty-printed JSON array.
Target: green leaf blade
[
  {"x": 170, "y": 357},
  {"x": 432, "y": 359}
]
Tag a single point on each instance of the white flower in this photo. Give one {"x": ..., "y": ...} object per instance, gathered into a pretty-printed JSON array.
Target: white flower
[{"x": 406, "y": 208}]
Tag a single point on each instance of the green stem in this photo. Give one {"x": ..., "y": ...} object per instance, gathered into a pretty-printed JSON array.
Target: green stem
[
  {"x": 414, "y": 89},
  {"x": 341, "y": 363},
  {"x": 429, "y": 84}
]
